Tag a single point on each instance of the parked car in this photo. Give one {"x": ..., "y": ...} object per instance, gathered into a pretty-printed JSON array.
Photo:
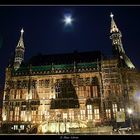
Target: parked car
[
  {"x": 122, "y": 126},
  {"x": 122, "y": 129}
]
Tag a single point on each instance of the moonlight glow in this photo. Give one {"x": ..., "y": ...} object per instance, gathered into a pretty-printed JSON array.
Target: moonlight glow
[{"x": 68, "y": 20}]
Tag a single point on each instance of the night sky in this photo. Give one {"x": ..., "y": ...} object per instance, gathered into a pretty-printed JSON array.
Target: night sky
[{"x": 44, "y": 31}]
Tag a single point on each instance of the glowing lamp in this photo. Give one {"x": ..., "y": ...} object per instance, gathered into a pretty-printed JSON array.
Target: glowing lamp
[{"x": 129, "y": 111}]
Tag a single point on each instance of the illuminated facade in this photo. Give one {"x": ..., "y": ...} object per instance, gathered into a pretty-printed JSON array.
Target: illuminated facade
[
  {"x": 56, "y": 93},
  {"x": 1, "y": 99},
  {"x": 0, "y": 117}
]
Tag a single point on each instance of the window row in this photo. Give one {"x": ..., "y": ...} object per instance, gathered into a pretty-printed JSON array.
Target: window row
[
  {"x": 89, "y": 113},
  {"x": 47, "y": 82}
]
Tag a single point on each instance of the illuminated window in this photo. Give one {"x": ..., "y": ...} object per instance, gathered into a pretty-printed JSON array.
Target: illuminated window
[
  {"x": 15, "y": 127},
  {"x": 114, "y": 110},
  {"x": 12, "y": 94},
  {"x": 71, "y": 115},
  {"x": 23, "y": 116},
  {"x": 89, "y": 112},
  {"x": 4, "y": 114},
  {"x": 23, "y": 94},
  {"x": 18, "y": 94},
  {"x": 34, "y": 95},
  {"x": 108, "y": 113},
  {"x": 82, "y": 113},
  {"x": 96, "y": 114},
  {"x": 81, "y": 91},
  {"x": 11, "y": 115},
  {"x": 88, "y": 91},
  {"x": 65, "y": 116},
  {"x": 33, "y": 115},
  {"x": 16, "y": 113},
  {"x": 46, "y": 113},
  {"x": 122, "y": 109},
  {"x": 22, "y": 127},
  {"x": 40, "y": 115},
  {"x": 94, "y": 88}
]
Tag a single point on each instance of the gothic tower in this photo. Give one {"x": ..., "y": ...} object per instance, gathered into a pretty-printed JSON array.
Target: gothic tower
[
  {"x": 118, "y": 50},
  {"x": 19, "y": 52}
]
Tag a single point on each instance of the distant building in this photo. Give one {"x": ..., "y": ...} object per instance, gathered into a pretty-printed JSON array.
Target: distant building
[{"x": 56, "y": 93}]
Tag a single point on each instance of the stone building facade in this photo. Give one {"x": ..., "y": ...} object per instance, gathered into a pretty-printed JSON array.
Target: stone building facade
[{"x": 56, "y": 93}]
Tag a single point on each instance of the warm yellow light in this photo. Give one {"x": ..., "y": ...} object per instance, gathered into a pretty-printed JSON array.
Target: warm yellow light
[
  {"x": 29, "y": 118},
  {"x": 43, "y": 129},
  {"x": 25, "y": 118},
  {"x": 4, "y": 117},
  {"x": 130, "y": 111}
]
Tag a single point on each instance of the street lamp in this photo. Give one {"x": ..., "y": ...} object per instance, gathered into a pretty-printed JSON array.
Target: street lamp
[{"x": 130, "y": 112}]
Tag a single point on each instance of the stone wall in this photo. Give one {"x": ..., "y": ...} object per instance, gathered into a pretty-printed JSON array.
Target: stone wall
[{"x": 92, "y": 130}]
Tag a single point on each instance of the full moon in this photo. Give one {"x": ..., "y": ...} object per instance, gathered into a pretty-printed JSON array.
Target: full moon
[{"x": 68, "y": 20}]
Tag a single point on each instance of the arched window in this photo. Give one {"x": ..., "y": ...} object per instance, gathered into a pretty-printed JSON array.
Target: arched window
[
  {"x": 89, "y": 112},
  {"x": 89, "y": 109}
]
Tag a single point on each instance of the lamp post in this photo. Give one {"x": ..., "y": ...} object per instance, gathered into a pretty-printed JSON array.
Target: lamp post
[{"x": 130, "y": 112}]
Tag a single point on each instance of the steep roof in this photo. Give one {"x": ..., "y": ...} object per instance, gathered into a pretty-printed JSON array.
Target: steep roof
[{"x": 68, "y": 58}]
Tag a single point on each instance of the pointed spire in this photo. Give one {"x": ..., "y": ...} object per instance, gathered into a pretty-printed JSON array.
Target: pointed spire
[
  {"x": 21, "y": 43},
  {"x": 113, "y": 24},
  {"x": 19, "y": 52}
]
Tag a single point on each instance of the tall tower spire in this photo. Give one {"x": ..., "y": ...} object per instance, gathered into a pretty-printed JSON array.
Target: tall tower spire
[
  {"x": 118, "y": 49},
  {"x": 114, "y": 27},
  {"x": 116, "y": 37},
  {"x": 19, "y": 52},
  {"x": 21, "y": 43}
]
